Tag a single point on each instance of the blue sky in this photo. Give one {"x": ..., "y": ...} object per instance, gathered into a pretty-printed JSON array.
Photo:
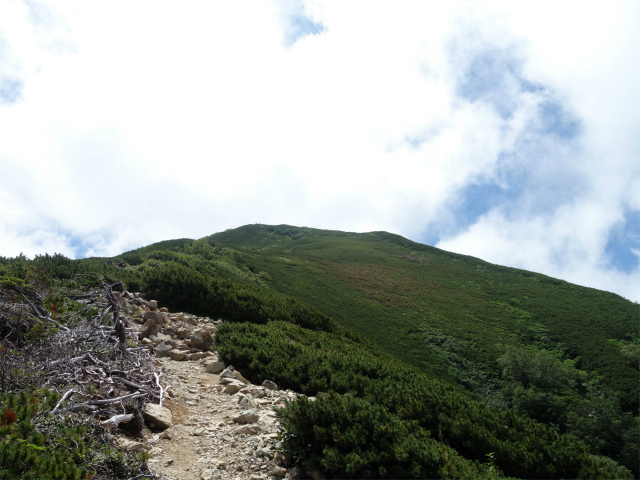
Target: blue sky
[{"x": 503, "y": 130}]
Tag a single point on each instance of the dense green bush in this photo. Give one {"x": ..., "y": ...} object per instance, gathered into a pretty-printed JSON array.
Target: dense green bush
[
  {"x": 35, "y": 446},
  {"x": 316, "y": 362},
  {"x": 182, "y": 287},
  {"x": 353, "y": 438}
]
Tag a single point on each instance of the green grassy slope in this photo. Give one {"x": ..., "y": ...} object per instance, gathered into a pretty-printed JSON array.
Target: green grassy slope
[{"x": 400, "y": 294}]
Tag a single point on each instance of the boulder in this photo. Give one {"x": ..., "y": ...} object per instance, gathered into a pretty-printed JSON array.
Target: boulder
[
  {"x": 158, "y": 415},
  {"x": 152, "y": 304}
]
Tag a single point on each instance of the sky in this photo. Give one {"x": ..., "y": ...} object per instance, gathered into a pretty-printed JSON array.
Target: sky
[{"x": 507, "y": 130}]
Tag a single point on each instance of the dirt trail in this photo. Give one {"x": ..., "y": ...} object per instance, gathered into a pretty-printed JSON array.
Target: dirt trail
[{"x": 204, "y": 441}]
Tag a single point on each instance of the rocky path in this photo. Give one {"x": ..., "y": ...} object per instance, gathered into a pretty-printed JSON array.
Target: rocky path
[
  {"x": 221, "y": 426},
  {"x": 215, "y": 434}
]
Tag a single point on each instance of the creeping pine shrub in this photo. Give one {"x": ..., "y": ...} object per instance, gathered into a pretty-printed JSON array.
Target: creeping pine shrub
[
  {"x": 332, "y": 433},
  {"x": 62, "y": 451},
  {"x": 349, "y": 437},
  {"x": 27, "y": 454}
]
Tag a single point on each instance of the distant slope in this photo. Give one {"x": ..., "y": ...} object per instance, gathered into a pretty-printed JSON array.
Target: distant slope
[{"x": 406, "y": 296}]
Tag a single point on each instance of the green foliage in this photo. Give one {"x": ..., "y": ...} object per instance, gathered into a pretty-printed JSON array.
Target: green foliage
[
  {"x": 34, "y": 445},
  {"x": 24, "y": 453},
  {"x": 182, "y": 287},
  {"x": 353, "y": 438},
  {"x": 450, "y": 316},
  {"x": 555, "y": 392},
  {"x": 317, "y": 362}
]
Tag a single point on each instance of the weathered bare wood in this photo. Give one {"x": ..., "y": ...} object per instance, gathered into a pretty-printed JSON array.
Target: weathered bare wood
[
  {"x": 157, "y": 377},
  {"x": 64, "y": 397},
  {"x": 116, "y": 420},
  {"x": 128, "y": 382},
  {"x": 116, "y": 400}
]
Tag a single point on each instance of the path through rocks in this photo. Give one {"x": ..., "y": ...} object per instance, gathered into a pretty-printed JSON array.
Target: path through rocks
[
  {"x": 221, "y": 426},
  {"x": 209, "y": 437}
]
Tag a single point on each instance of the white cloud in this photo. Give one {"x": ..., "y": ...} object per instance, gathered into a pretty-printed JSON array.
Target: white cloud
[{"x": 139, "y": 122}]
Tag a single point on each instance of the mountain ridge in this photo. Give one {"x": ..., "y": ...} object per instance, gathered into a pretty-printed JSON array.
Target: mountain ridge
[{"x": 410, "y": 350}]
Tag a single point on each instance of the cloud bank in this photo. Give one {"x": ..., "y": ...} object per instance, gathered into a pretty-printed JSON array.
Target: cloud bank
[{"x": 506, "y": 131}]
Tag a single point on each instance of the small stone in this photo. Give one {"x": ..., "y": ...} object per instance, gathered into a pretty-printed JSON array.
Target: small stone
[
  {"x": 281, "y": 458},
  {"x": 231, "y": 388},
  {"x": 200, "y": 339},
  {"x": 278, "y": 471},
  {"x": 167, "y": 434},
  {"x": 206, "y": 474},
  {"x": 228, "y": 373},
  {"x": 252, "y": 429},
  {"x": 214, "y": 367},
  {"x": 247, "y": 416},
  {"x": 200, "y": 431},
  {"x": 152, "y": 304},
  {"x": 155, "y": 451},
  {"x": 247, "y": 402},
  {"x": 157, "y": 415},
  {"x": 176, "y": 354},
  {"x": 157, "y": 316},
  {"x": 162, "y": 350},
  {"x": 130, "y": 444},
  {"x": 196, "y": 356},
  {"x": 269, "y": 385}
]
